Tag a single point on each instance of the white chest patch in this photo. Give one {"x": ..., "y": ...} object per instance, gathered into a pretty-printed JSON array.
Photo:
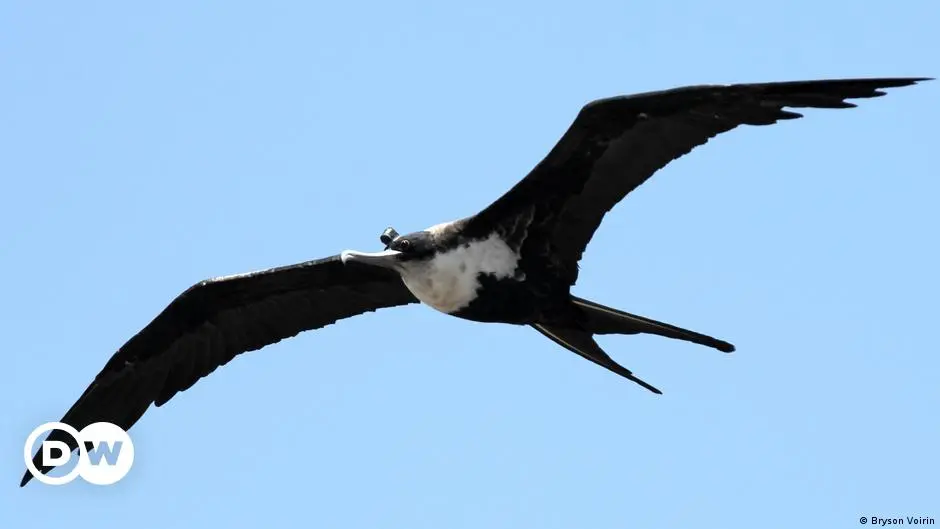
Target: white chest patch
[{"x": 448, "y": 282}]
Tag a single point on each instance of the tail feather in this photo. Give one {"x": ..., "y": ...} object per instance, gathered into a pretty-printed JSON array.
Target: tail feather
[
  {"x": 605, "y": 320},
  {"x": 582, "y": 343}
]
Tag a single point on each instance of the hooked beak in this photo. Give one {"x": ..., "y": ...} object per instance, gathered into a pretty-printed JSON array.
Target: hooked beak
[{"x": 384, "y": 259}]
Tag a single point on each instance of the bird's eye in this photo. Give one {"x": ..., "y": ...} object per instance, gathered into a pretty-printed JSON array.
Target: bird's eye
[{"x": 404, "y": 245}]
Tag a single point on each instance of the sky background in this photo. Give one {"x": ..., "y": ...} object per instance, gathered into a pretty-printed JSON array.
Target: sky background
[{"x": 146, "y": 147}]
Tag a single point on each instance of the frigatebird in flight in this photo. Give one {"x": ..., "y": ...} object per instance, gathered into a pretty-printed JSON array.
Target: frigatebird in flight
[{"x": 513, "y": 262}]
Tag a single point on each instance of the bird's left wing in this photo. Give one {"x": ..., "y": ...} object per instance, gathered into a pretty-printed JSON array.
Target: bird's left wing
[
  {"x": 217, "y": 319},
  {"x": 615, "y": 145}
]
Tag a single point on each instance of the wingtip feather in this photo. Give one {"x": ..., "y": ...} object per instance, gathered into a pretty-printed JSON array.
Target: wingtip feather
[{"x": 724, "y": 346}]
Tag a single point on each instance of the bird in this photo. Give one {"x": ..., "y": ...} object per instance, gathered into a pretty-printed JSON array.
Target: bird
[{"x": 514, "y": 262}]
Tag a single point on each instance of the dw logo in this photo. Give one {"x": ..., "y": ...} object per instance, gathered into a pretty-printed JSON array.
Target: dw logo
[{"x": 105, "y": 453}]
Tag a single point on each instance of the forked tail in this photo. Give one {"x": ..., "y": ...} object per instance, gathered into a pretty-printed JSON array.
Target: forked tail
[
  {"x": 605, "y": 320},
  {"x": 582, "y": 343}
]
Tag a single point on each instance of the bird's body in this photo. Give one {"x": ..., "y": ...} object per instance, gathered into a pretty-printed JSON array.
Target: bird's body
[
  {"x": 451, "y": 280},
  {"x": 513, "y": 262}
]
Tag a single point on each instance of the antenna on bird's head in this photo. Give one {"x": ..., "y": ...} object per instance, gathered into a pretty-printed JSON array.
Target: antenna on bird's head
[{"x": 388, "y": 236}]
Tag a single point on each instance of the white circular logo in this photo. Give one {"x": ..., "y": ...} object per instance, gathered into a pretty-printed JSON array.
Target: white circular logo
[{"x": 105, "y": 453}]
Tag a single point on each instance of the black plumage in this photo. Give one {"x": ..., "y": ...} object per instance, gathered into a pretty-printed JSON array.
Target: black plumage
[
  {"x": 542, "y": 227},
  {"x": 614, "y": 145},
  {"x": 215, "y": 320}
]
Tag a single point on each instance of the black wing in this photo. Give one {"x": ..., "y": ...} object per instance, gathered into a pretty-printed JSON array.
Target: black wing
[
  {"x": 616, "y": 144},
  {"x": 215, "y": 320}
]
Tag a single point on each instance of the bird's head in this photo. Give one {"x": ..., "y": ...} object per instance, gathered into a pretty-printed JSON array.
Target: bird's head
[{"x": 399, "y": 250}]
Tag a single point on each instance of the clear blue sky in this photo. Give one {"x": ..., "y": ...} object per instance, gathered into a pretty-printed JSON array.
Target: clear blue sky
[{"x": 146, "y": 148}]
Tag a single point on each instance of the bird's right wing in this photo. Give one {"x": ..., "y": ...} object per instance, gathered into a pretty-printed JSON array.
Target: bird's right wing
[{"x": 217, "y": 319}]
